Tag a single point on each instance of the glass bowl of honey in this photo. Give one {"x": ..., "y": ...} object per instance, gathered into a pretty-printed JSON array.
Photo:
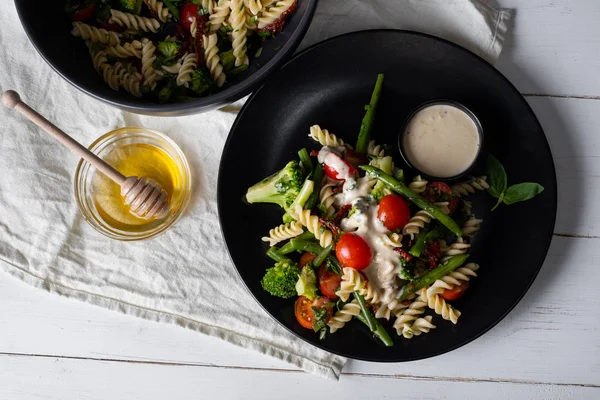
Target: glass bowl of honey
[{"x": 132, "y": 151}]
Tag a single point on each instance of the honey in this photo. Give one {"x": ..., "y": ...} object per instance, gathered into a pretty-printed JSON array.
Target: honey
[{"x": 137, "y": 159}]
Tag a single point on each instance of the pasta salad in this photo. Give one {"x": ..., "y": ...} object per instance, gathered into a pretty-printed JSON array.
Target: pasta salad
[
  {"x": 174, "y": 50},
  {"x": 374, "y": 243}
]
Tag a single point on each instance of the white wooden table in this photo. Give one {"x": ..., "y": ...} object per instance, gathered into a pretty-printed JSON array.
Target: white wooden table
[{"x": 548, "y": 347}]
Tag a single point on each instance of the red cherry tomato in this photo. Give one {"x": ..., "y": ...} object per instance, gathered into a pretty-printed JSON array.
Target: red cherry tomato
[
  {"x": 393, "y": 212},
  {"x": 304, "y": 313},
  {"x": 332, "y": 172},
  {"x": 329, "y": 282},
  {"x": 436, "y": 190},
  {"x": 85, "y": 13},
  {"x": 188, "y": 13},
  {"x": 306, "y": 258},
  {"x": 455, "y": 293},
  {"x": 352, "y": 251}
]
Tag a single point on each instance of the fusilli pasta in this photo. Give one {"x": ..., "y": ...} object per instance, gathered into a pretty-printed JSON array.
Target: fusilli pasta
[
  {"x": 219, "y": 15},
  {"x": 213, "y": 62},
  {"x": 188, "y": 64},
  {"x": 454, "y": 249},
  {"x": 406, "y": 317},
  {"x": 343, "y": 316},
  {"x": 469, "y": 187},
  {"x": 453, "y": 279},
  {"x": 393, "y": 240},
  {"x": 312, "y": 224},
  {"x": 375, "y": 149},
  {"x": 133, "y": 49},
  {"x": 283, "y": 232},
  {"x": 237, "y": 18},
  {"x": 351, "y": 282},
  {"x": 95, "y": 35},
  {"x": 416, "y": 223},
  {"x": 324, "y": 137},
  {"x": 151, "y": 76},
  {"x": 418, "y": 185},
  {"x": 254, "y": 6},
  {"x": 471, "y": 226},
  {"x": 441, "y": 307},
  {"x": 273, "y": 13},
  {"x": 135, "y": 22},
  {"x": 159, "y": 9},
  {"x": 326, "y": 197}
]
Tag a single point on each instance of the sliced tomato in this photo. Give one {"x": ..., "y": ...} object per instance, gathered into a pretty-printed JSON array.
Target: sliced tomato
[
  {"x": 393, "y": 211},
  {"x": 353, "y": 251},
  {"x": 188, "y": 13},
  {"x": 85, "y": 13},
  {"x": 329, "y": 282},
  {"x": 455, "y": 293},
  {"x": 304, "y": 313},
  {"x": 306, "y": 258},
  {"x": 333, "y": 169}
]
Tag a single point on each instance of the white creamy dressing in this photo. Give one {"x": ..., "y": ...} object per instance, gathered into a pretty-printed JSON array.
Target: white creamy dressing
[
  {"x": 441, "y": 141},
  {"x": 385, "y": 264}
]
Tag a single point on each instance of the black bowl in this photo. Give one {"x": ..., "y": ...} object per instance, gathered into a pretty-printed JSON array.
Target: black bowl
[
  {"x": 49, "y": 29},
  {"x": 513, "y": 240}
]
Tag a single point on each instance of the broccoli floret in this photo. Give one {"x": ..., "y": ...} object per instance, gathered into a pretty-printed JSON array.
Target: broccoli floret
[
  {"x": 407, "y": 274},
  {"x": 280, "y": 280},
  {"x": 201, "y": 81},
  {"x": 168, "y": 48},
  {"x": 280, "y": 188},
  {"x": 227, "y": 60},
  {"x": 380, "y": 189},
  {"x": 131, "y": 6},
  {"x": 307, "y": 283}
]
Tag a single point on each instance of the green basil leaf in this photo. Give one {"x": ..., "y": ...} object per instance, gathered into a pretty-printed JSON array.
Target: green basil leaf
[
  {"x": 497, "y": 176},
  {"x": 500, "y": 199},
  {"x": 521, "y": 192}
]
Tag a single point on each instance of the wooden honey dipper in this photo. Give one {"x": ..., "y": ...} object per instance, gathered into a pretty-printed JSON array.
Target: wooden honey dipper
[{"x": 145, "y": 198}]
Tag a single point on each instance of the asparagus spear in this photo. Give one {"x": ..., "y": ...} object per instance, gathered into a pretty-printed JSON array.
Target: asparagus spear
[
  {"x": 402, "y": 189},
  {"x": 379, "y": 331},
  {"x": 318, "y": 174},
  {"x": 432, "y": 276},
  {"x": 425, "y": 236},
  {"x": 367, "y": 123}
]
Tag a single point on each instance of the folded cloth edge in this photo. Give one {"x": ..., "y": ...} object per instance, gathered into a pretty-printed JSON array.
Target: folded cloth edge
[{"x": 332, "y": 371}]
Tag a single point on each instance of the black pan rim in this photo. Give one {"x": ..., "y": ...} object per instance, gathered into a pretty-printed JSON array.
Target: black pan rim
[
  {"x": 227, "y": 96},
  {"x": 221, "y": 194}
]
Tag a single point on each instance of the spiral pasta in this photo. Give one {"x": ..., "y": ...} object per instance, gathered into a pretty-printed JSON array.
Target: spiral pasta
[
  {"x": 324, "y": 137},
  {"x": 132, "y": 49},
  {"x": 237, "y": 18},
  {"x": 352, "y": 281},
  {"x": 208, "y": 6},
  {"x": 213, "y": 61},
  {"x": 326, "y": 198},
  {"x": 416, "y": 223},
  {"x": 219, "y": 15},
  {"x": 151, "y": 76},
  {"x": 421, "y": 325},
  {"x": 454, "y": 249},
  {"x": 194, "y": 27},
  {"x": 441, "y": 307},
  {"x": 172, "y": 69},
  {"x": 254, "y": 6},
  {"x": 343, "y": 316},
  {"x": 406, "y": 317},
  {"x": 131, "y": 82},
  {"x": 188, "y": 65},
  {"x": 93, "y": 34},
  {"x": 453, "y": 279},
  {"x": 470, "y": 187},
  {"x": 471, "y": 226},
  {"x": 159, "y": 9},
  {"x": 274, "y": 12},
  {"x": 375, "y": 149},
  {"x": 418, "y": 184},
  {"x": 393, "y": 240},
  {"x": 283, "y": 232},
  {"x": 132, "y": 21},
  {"x": 312, "y": 224}
]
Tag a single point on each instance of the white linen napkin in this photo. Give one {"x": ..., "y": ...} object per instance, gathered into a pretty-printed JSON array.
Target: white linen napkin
[{"x": 183, "y": 277}]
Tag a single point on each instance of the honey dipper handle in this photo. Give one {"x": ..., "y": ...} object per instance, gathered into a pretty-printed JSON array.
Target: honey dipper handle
[{"x": 11, "y": 99}]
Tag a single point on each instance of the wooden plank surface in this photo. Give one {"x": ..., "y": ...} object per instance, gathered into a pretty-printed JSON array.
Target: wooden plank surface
[{"x": 548, "y": 347}]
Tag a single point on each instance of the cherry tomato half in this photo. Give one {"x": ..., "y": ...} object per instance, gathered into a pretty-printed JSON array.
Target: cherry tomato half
[
  {"x": 329, "y": 282},
  {"x": 85, "y": 13},
  {"x": 304, "y": 313},
  {"x": 393, "y": 212},
  {"x": 188, "y": 13},
  {"x": 306, "y": 258},
  {"x": 455, "y": 293},
  {"x": 331, "y": 170},
  {"x": 352, "y": 251}
]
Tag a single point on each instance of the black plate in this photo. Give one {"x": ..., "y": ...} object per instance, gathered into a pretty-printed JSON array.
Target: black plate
[
  {"x": 329, "y": 84},
  {"x": 49, "y": 29}
]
